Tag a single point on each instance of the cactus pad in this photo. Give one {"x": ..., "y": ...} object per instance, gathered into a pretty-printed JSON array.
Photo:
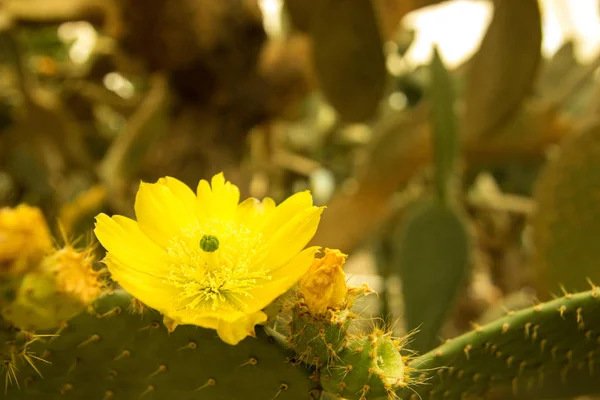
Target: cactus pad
[
  {"x": 112, "y": 353},
  {"x": 566, "y": 223},
  {"x": 548, "y": 351},
  {"x": 433, "y": 256}
]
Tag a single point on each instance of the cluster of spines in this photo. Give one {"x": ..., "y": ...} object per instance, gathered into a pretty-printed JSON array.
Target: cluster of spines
[{"x": 16, "y": 352}]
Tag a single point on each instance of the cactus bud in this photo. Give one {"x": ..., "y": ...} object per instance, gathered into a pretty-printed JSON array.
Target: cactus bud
[
  {"x": 324, "y": 285},
  {"x": 371, "y": 367},
  {"x": 63, "y": 285}
]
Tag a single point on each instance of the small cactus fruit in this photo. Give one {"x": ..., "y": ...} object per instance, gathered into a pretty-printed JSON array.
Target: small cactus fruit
[
  {"x": 62, "y": 286},
  {"x": 322, "y": 315},
  {"x": 317, "y": 339},
  {"x": 371, "y": 367}
]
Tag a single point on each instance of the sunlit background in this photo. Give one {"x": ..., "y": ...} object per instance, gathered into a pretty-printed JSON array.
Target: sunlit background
[{"x": 455, "y": 27}]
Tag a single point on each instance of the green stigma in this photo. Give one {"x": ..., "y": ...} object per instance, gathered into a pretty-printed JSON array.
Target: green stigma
[{"x": 209, "y": 243}]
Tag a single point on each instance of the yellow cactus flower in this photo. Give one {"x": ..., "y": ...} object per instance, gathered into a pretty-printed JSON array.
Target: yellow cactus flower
[
  {"x": 59, "y": 289},
  {"x": 203, "y": 259},
  {"x": 324, "y": 285},
  {"x": 24, "y": 239}
]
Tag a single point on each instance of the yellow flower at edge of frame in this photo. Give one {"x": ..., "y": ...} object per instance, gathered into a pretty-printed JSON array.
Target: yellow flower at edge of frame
[
  {"x": 24, "y": 239},
  {"x": 203, "y": 259}
]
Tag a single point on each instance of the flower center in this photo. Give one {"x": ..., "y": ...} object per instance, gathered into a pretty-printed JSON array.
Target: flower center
[
  {"x": 209, "y": 243},
  {"x": 221, "y": 272}
]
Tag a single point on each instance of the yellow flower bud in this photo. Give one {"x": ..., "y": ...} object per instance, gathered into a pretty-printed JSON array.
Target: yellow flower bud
[
  {"x": 62, "y": 287},
  {"x": 324, "y": 285},
  {"x": 74, "y": 273},
  {"x": 24, "y": 239}
]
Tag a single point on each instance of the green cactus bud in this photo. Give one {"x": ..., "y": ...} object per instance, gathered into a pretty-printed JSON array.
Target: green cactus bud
[
  {"x": 317, "y": 339},
  {"x": 371, "y": 367},
  {"x": 64, "y": 284},
  {"x": 39, "y": 305}
]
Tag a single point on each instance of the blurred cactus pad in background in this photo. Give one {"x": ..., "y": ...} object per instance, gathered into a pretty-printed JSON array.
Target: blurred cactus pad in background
[{"x": 299, "y": 199}]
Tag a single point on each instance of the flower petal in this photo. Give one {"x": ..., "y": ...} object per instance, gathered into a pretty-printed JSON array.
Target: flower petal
[
  {"x": 232, "y": 332},
  {"x": 183, "y": 193},
  {"x": 220, "y": 201},
  {"x": 160, "y": 213},
  {"x": 209, "y": 322},
  {"x": 252, "y": 212},
  {"x": 226, "y": 197},
  {"x": 124, "y": 240},
  {"x": 149, "y": 289},
  {"x": 281, "y": 281},
  {"x": 292, "y": 237},
  {"x": 286, "y": 211},
  {"x": 204, "y": 201}
]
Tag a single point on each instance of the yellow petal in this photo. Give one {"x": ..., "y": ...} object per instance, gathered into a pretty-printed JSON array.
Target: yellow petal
[
  {"x": 179, "y": 318},
  {"x": 183, "y": 193},
  {"x": 232, "y": 332},
  {"x": 286, "y": 211},
  {"x": 324, "y": 285},
  {"x": 251, "y": 212},
  {"x": 226, "y": 197},
  {"x": 149, "y": 289},
  {"x": 220, "y": 201},
  {"x": 160, "y": 213},
  {"x": 292, "y": 237},
  {"x": 281, "y": 280},
  {"x": 268, "y": 205},
  {"x": 125, "y": 241},
  {"x": 204, "y": 201}
]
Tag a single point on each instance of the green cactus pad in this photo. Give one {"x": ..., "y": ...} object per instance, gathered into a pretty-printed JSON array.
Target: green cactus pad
[
  {"x": 316, "y": 340},
  {"x": 348, "y": 56},
  {"x": 566, "y": 221},
  {"x": 371, "y": 367},
  {"x": 433, "y": 258},
  {"x": 548, "y": 351},
  {"x": 111, "y": 353}
]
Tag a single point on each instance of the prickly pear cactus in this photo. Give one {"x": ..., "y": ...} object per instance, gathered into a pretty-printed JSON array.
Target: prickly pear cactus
[
  {"x": 347, "y": 47},
  {"x": 369, "y": 367},
  {"x": 317, "y": 340},
  {"x": 548, "y": 351},
  {"x": 112, "y": 353},
  {"x": 565, "y": 224}
]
